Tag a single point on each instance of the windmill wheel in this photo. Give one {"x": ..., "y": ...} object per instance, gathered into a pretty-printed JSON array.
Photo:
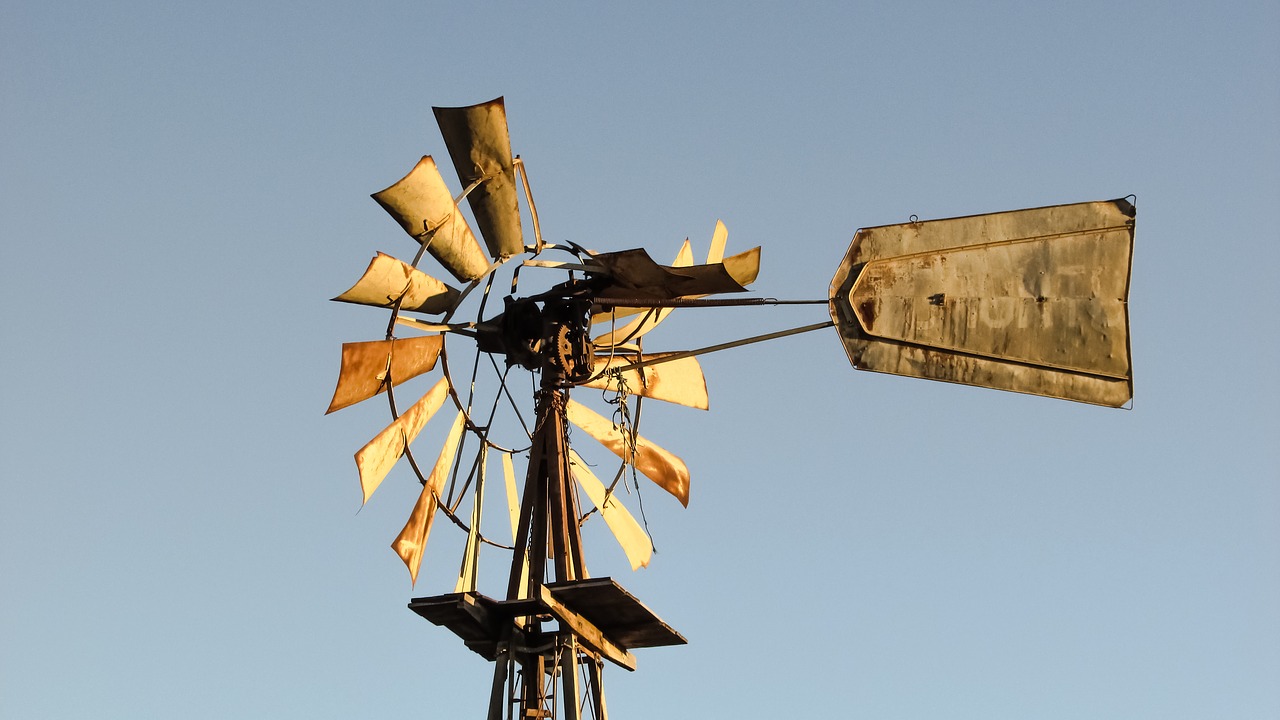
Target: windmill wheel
[{"x": 573, "y": 328}]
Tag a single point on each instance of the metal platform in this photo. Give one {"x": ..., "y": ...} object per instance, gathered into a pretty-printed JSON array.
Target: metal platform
[{"x": 598, "y": 611}]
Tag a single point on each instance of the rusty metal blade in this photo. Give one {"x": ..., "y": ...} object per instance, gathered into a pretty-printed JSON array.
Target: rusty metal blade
[
  {"x": 388, "y": 280},
  {"x": 650, "y": 320},
  {"x": 422, "y": 204},
  {"x": 666, "y": 470},
  {"x": 634, "y": 540},
  {"x": 1032, "y": 301},
  {"x": 380, "y": 454},
  {"x": 480, "y": 147},
  {"x": 633, "y": 274},
  {"x": 743, "y": 267},
  {"x": 412, "y": 540},
  {"x": 677, "y": 381},
  {"x": 369, "y": 367}
]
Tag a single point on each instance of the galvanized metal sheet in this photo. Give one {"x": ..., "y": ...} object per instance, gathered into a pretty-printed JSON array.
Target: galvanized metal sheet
[
  {"x": 380, "y": 454},
  {"x": 368, "y": 367},
  {"x": 422, "y": 204},
  {"x": 387, "y": 281},
  {"x": 634, "y": 540},
  {"x": 664, "y": 469},
  {"x": 676, "y": 381},
  {"x": 1032, "y": 301},
  {"x": 480, "y": 147}
]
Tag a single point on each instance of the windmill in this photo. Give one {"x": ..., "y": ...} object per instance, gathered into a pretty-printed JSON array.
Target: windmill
[{"x": 1031, "y": 301}]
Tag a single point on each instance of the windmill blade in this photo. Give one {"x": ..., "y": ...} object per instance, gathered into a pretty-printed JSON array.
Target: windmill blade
[
  {"x": 640, "y": 326},
  {"x": 743, "y": 267},
  {"x": 719, "y": 238},
  {"x": 676, "y": 381},
  {"x": 1033, "y": 301},
  {"x": 513, "y": 511},
  {"x": 412, "y": 540},
  {"x": 663, "y": 468},
  {"x": 635, "y": 275},
  {"x": 380, "y": 454},
  {"x": 387, "y": 281},
  {"x": 422, "y": 204},
  {"x": 634, "y": 540},
  {"x": 480, "y": 147},
  {"x": 471, "y": 553},
  {"x": 369, "y": 368}
]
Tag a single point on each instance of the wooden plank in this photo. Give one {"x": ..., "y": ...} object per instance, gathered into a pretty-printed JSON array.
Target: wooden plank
[
  {"x": 587, "y": 632},
  {"x": 617, "y": 613}
]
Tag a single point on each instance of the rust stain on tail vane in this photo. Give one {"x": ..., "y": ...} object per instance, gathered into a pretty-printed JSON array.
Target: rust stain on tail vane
[
  {"x": 1032, "y": 301},
  {"x": 480, "y": 146},
  {"x": 422, "y": 204}
]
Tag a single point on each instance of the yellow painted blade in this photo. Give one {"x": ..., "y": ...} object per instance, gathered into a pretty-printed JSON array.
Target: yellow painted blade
[
  {"x": 412, "y": 540},
  {"x": 719, "y": 238},
  {"x": 481, "y": 150},
  {"x": 650, "y": 320},
  {"x": 513, "y": 497},
  {"x": 388, "y": 280},
  {"x": 663, "y": 468},
  {"x": 365, "y": 365},
  {"x": 634, "y": 540},
  {"x": 423, "y": 205},
  {"x": 380, "y": 454},
  {"x": 676, "y": 381}
]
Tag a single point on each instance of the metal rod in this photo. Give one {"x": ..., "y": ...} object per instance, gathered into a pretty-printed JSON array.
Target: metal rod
[
  {"x": 700, "y": 302},
  {"x": 668, "y": 357}
]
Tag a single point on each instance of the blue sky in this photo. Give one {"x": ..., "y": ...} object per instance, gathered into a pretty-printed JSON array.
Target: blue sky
[{"x": 184, "y": 186}]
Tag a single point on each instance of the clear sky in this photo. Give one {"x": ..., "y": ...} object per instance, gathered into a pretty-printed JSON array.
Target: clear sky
[{"x": 182, "y": 187}]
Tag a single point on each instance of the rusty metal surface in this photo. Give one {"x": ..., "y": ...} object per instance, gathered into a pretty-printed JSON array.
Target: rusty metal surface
[
  {"x": 1032, "y": 301},
  {"x": 388, "y": 280},
  {"x": 364, "y": 371},
  {"x": 641, "y": 325},
  {"x": 678, "y": 381},
  {"x": 480, "y": 147},
  {"x": 664, "y": 469},
  {"x": 634, "y": 274},
  {"x": 422, "y": 204}
]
